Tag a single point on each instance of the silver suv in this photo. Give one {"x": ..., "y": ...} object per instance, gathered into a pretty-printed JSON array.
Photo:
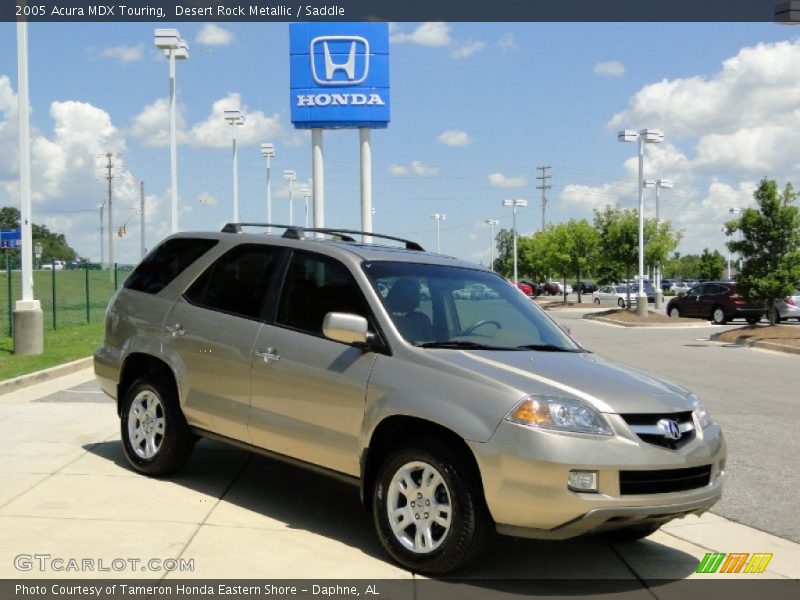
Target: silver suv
[{"x": 454, "y": 413}]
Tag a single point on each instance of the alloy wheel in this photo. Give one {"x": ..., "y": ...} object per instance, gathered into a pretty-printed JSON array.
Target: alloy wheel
[{"x": 146, "y": 424}]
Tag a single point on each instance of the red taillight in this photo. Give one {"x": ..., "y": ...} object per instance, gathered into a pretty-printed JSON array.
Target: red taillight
[{"x": 790, "y": 301}]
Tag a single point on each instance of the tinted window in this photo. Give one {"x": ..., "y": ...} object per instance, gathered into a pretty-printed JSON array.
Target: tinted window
[
  {"x": 714, "y": 289},
  {"x": 165, "y": 263},
  {"x": 316, "y": 285},
  {"x": 237, "y": 283}
]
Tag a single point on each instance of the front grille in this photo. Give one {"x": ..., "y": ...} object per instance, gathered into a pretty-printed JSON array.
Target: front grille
[
  {"x": 662, "y": 482},
  {"x": 645, "y": 425}
]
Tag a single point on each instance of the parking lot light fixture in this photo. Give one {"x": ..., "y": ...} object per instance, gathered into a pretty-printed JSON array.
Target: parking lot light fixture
[
  {"x": 306, "y": 191},
  {"x": 175, "y": 48},
  {"x": 268, "y": 152},
  {"x": 658, "y": 184},
  {"x": 234, "y": 118},
  {"x": 290, "y": 176},
  {"x": 519, "y": 202},
  {"x": 491, "y": 223},
  {"x": 438, "y": 217},
  {"x": 642, "y": 136}
]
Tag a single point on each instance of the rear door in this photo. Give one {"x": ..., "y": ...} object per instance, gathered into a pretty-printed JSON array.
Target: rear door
[
  {"x": 690, "y": 307},
  {"x": 712, "y": 295},
  {"x": 211, "y": 330}
]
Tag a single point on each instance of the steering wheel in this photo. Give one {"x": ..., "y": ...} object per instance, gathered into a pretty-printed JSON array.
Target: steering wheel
[{"x": 469, "y": 330}]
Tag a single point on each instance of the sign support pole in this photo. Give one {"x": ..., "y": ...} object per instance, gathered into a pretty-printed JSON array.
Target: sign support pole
[
  {"x": 28, "y": 319},
  {"x": 318, "y": 178},
  {"x": 365, "y": 144}
]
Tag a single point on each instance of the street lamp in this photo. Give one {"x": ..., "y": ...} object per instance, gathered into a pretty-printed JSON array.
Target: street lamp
[
  {"x": 659, "y": 184},
  {"x": 291, "y": 177},
  {"x": 519, "y": 202},
  {"x": 306, "y": 191},
  {"x": 643, "y": 136},
  {"x": 233, "y": 118},
  {"x": 438, "y": 217},
  {"x": 175, "y": 48},
  {"x": 728, "y": 239},
  {"x": 738, "y": 211},
  {"x": 491, "y": 223},
  {"x": 268, "y": 152}
]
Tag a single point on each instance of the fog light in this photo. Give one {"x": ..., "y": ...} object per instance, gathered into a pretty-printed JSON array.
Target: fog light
[{"x": 582, "y": 481}]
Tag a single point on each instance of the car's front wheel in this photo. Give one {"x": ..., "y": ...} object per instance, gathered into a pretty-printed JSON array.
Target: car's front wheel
[
  {"x": 155, "y": 436},
  {"x": 597, "y": 300},
  {"x": 675, "y": 312},
  {"x": 428, "y": 509},
  {"x": 621, "y": 303}
]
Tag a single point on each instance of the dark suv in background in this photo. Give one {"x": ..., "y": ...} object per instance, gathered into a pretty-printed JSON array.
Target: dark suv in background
[{"x": 715, "y": 300}]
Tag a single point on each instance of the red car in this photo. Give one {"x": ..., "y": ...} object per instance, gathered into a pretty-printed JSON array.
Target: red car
[
  {"x": 717, "y": 301},
  {"x": 526, "y": 289}
]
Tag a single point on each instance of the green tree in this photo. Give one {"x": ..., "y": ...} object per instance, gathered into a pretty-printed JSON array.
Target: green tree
[
  {"x": 619, "y": 238},
  {"x": 504, "y": 260},
  {"x": 711, "y": 265},
  {"x": 583, "y": 247},
  {"x": 9, "y": 217},
  {"x": 533, "y": 257},
  {"x": 660, "y": 239},
  {"x": 558, "y": 251},
  {"x": 54, "y": 245},
  {"x": 770, "y": 246}
]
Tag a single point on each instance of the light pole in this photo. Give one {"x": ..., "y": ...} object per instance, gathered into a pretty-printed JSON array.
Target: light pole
[
  {"x": 290, "y": 176},
  {"x": 438, "y": 217},
  {"x": 727, "y": 240},
  {"x": 102, "y": 207},
  {"x": 268, "y": 152},
  {"x": 519, "y": 202},
  {"x": 491, "y": 223},
  {"x": 659, "y": 184},
  {"x": 37, "y": 250},
  {"x": 234, "y": 118},
  {"x": 738, "y": 211},
  {"x": 306, "y": 191},
  {"x": 643, "y": 136},
  {"x": 175, "y": 48}
]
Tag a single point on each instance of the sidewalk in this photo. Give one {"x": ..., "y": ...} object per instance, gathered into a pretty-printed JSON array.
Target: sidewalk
[{"x": 66, "y": 491}]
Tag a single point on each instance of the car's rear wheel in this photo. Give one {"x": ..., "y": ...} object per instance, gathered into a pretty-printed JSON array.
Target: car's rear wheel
[
  {"x": 752, "y": 320},
  {"x": 597, "y": 300},
  {"x": 632, "y": 533},
  {"x": 428, "y": 508},
  {"x": 620, "y": 302},
  {"x": 718, "y": 316},
  {"x": 675, "y": 312},
  {"x": 155, "y": 436}
]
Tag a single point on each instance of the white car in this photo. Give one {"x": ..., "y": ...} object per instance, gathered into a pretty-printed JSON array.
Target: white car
[
  {"x": 59, "y": 265},
  {"x": 613, "y": 295},
  {"x": 560, "y": 286}
]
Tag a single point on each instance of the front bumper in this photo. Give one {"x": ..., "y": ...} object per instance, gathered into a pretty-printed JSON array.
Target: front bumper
[{"x": 525, "y": 471}]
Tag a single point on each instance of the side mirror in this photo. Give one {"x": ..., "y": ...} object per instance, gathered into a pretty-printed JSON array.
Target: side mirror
[{"x": 346, "y": 328}]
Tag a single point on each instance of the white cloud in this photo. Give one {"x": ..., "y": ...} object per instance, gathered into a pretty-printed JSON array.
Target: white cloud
[
  {"x": 415, "y": 168},
  {"x": 467, "y": 49},
  {"x": 507, "y": 43},
  {"x": 498, "y": 180},
  {"x": 151, "y": 126},
  {"x": 207, "y": 199},
  {"x": 124, "y": 53},
  {"x": 610, "y": 68},
  {"x": 214, "y": 35},
  {"x": 433, "y": 34},
  {"x": 454, "y": 137}
]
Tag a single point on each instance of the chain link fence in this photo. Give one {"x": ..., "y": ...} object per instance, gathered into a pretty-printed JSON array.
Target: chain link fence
[{"x": 69, "y": 294}]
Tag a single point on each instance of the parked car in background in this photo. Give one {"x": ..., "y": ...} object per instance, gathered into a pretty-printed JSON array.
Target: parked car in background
[
  {"x": 556, "y": 288},
  {"x": 584, "y": 287},
  {"x": 668, "y": 285},
  {"x": 717, "y": 301},
  {"x": 789, "y": 307},
  {"x": 612, "y": 295},
  {"x": 649, "y": 291},
  {"x": 57, "y": 264},
  {"x": 526, "y": 289},
  {"x": 536, "y": 287}
]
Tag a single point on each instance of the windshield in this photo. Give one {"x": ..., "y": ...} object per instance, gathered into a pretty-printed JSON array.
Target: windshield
[{"x": 449, "y": 307}]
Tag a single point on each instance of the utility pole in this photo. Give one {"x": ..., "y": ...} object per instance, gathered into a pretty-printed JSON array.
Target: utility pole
[
  {"x": 141, "y": 210},
  {"x": 109, "y": 177},
  {"x": 544, "y": 177},
  {"x": 102, "y": 237}
]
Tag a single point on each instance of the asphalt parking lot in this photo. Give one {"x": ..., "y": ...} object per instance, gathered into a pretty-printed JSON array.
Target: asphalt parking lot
[{"x": 68, "y": 492}]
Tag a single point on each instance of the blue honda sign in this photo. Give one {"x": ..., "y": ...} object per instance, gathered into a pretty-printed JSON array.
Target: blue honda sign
[
  {"x": 339, "y": 74},
  {"x": 10, "y": 238}
]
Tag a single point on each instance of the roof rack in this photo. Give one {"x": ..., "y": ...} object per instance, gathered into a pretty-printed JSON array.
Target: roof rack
[{"x": 295, "y": 233}]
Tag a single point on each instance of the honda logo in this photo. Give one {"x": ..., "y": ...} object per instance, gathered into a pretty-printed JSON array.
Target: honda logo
[{"x": 348, "y": 54}]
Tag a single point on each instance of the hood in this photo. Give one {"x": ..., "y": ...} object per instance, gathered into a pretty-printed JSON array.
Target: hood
[{"x": 609, "y": 387}]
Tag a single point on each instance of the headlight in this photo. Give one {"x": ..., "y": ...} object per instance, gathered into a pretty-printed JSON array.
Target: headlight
[
  {"x": 559, "y": 414},
  {"x": 700, "y": 412}
]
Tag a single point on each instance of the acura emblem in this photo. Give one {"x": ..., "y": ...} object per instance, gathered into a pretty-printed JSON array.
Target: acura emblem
[{"x": 670, "y": 429}]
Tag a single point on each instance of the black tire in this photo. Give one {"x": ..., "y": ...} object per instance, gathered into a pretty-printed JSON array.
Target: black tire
[
  {"x": 597, "y": 300},
  {"x": 620, "y": 302},
  {"x": 674, "y": 312},
  {"x": 470, "y": 521},
  {"x": 752, "y": 320},
  {"x": 631, "y": 533},
  {"x": 176, "y": 442},
  {"x": 718, "y": 316}
]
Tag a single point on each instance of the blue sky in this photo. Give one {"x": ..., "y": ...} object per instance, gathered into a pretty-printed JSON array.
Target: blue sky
[{"x": 519, "y": 95}]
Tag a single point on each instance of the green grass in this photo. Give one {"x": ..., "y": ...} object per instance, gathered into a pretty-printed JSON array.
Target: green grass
[
  {"x": 70, "y": 299},
  {"x": 60, "y": 346}
]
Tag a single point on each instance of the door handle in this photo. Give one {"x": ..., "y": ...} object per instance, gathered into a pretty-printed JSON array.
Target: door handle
[
  {"x": 269, "y": 355},
  {"x": 176, "y": 329}
]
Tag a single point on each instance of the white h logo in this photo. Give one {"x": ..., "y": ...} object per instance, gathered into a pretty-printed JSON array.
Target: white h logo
[{"x": 349, "y": 66}]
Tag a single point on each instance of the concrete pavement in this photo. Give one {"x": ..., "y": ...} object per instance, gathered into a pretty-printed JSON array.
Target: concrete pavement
[{"x": 68, "y": 492}]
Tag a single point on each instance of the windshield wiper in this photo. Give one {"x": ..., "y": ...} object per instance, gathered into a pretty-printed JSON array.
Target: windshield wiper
[
  {"x": 460, "y": 344},
  {"x": 548, "y": 348}
]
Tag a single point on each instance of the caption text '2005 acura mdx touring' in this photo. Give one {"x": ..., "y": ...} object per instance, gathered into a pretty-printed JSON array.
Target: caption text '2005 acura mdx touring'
[{"x": 456, "y": 414}]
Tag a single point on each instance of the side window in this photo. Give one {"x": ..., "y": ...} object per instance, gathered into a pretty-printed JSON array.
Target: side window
[
  {"x": 316, "y": 285},
  {"x": 697, "y": 290},
  {"x": 165, "y": 263},
  {"x": 237, "y": 283}
]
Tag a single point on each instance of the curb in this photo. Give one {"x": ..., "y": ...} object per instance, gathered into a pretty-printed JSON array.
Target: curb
[
  {"x": 23, "y": 381},
  {"x": 616, "y": 323},
  {"x": 756, "y": 344}
]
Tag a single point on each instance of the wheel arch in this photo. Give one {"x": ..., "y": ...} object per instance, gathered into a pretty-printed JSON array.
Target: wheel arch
[{"x": 137, "y": 364}]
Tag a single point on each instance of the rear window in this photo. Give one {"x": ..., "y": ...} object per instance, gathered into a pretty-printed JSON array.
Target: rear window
[{"x": 165, "y": 263}]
